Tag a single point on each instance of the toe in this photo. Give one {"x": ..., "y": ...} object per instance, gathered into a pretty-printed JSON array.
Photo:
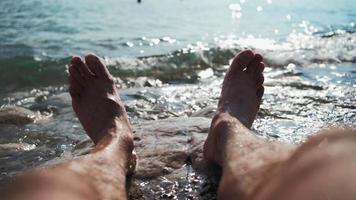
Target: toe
[
  {"x": 75, "y": 81},
  {"x": 241, "y": 61},
  {"x": 97, "y": 66},
  {"x": 260, "y": 68},
  {"x": 254, "y": 65},
  {"x": 74, "y": 88},
  {"x": 260, "y": 94},
  {"x": 259, "y": 81},
  {"x": 83, "y": 69},
  {"x": 260, "y": 78},
  {"x": 74, "y": 74}
]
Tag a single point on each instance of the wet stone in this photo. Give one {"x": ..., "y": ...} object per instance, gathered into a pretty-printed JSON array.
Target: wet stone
[
  {"x": 165, "y": 145},
  {"x": 170, "y": 159},
  {"x": 177, "y": 185},
  {"x": 17, "y": 147},
  {"x": 170, "y": 162},
  {"x": 143, "y": 82},
  {"x": 16, "y": 115}
]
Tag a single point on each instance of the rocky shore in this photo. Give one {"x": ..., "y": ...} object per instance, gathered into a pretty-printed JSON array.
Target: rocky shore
[{"x": 171, "y": 122}]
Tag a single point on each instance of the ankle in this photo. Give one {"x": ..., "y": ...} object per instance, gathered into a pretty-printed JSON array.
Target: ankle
[
  {"x": 104, "y": 141},
  {"x": 228, "y": 115},
  {"x": 220, "y": 131},
  {"x": 224, "y": 120},
  {"x": 120, "y": 148}
]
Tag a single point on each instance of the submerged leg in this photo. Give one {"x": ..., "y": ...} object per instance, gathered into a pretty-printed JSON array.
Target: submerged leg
[{"x": 100, "y": 175}]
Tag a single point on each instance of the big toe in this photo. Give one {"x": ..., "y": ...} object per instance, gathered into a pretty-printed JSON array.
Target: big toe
[
  {"x": 97, "y": 66},
  {"x": 75, "y": 89},
  {"x": 75, "y": 79},
  {"x": 241, "y": 61},
  {"x": 74, "y": 73},
  {"x": 81, "y": 68}
]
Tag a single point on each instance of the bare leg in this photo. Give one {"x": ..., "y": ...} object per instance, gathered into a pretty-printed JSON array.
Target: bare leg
[
  {"x": 256, "y": 169},
  {"x": 322, "y": 168},
  {"x": 230, "y": 144},
  {"x": 101, "y": 174}
]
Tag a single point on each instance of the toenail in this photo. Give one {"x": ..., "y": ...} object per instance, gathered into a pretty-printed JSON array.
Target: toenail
[
  {"x": 258, "y": 57},
  {"x": 92, "y": 56},
  {"x": 247, "y": 53},
  {"x": 76, "y": 60}
]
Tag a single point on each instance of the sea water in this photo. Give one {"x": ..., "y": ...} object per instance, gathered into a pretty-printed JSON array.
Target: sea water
[{"x": 38, "y": 37}]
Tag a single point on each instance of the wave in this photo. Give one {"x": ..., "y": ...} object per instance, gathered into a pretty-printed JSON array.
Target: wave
[{"x": 183, "y": 65}]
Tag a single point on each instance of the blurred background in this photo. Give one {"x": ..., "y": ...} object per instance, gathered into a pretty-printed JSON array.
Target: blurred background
[
  {"x": 38, "y": 37},
  {"x": 169, "y": 58}
]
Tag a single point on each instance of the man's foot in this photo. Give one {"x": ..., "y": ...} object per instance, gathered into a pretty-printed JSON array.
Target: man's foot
[
  {"x": 239, "y": 102},
  {"x": 242, "y": 88},
  {"x": 96, "y": 101}
]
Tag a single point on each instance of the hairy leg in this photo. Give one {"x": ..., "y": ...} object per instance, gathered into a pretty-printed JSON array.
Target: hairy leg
[
  {"x": 322, "y": 168},
  {"x": 101, "y": 174},
  {"x": 256, "y": 169},
  {"x": 244, "y": 158}
]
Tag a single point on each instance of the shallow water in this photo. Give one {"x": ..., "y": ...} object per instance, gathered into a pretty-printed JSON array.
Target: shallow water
[{"x": 180, "y": 49}]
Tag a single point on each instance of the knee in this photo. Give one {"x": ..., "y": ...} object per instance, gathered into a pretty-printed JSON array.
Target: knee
[{"x": 328, "y": 140}]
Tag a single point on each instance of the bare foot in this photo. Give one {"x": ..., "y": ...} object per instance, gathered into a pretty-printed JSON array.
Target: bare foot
[
  {"x": 242, "y": 88},
  {"x": 239, "y": 102},
  {"x": 96, "y": 102}
]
